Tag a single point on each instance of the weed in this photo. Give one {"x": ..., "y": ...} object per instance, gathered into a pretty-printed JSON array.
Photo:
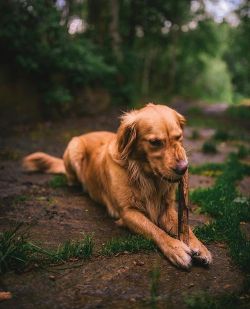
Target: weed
[
  {"x": 20, "y": 198},
  {"x": 58, "y": 181},
  {"x": 202, "y": 300},
  {"x": 195, "y": 135},
  {"x": 223, "y": 203},
  {"x": 209, "y": 147},
  {"x": 221, "y": 135},
  {"x": 132, "y": 243},
  {"x": 208, "y": 169},
  {"x": 82, "y": 249},
  {"x": 243, "y": 152},
  {"x": 16, "y": 252},
  {"x": 154, "y": 286},
  {"x": 239, "y": 112}
]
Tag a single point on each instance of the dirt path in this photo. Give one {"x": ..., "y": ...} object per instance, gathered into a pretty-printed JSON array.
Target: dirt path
[{"x": 64, "y": 213}]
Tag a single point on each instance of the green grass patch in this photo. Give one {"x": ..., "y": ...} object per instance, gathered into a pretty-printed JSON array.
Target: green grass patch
[
  {"x": 221, "y": 135},
  {"x": 208, "y": 169},
  {"x": 58, "y": 181},
  {"x": 17, "y": 252},
  {"x": 195, "y": 135},
  {"x": 243, "y": 152},
  {"x": 239, "y": 112},
  {"x": 223, "y": 202},
  {"x": 202, "y": 300},
  {"x": 131, "y": 243},
  {"x": 81, "y": 249},
  {"x": 209, "y": 147}
]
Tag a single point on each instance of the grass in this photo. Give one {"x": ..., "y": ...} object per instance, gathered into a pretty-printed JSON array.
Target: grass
[
  {"x": 58, "y": 181},
  {"x": 132, "y": 244},
  {"x": 195, "y": 134},
  {"x": 17, "y": 253},
  {"x": 15, "y": 250},
  {"x": 223, "y": 202},
  {"x": 81, "y": 249},
  {"x": 221, "y": 135},
  {"x": 208, "y": 169},
  {"x": 243, "y": 152},
  {"x": 239, "y": 112},
  {"x": 209, "y": 147},
  {"x": 154, "y": 286},
  {"x": 202, "y": 300}
]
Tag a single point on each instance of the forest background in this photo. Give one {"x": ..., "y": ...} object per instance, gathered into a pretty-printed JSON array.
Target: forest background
[{"x": 61, "y": 57}]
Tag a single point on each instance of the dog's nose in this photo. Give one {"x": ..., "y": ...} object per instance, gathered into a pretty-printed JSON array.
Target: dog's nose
[{"x": 181, "y": 167}]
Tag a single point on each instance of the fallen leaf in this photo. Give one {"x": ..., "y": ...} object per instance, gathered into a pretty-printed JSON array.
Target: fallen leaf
[{"x": 5, "y": 296}]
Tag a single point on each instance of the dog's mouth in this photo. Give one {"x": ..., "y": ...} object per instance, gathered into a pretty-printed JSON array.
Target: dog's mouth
[{"x": 171, "y": 179}]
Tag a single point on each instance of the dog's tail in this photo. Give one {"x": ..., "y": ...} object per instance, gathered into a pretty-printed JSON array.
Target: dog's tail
[{"x": 42, "y": 162}]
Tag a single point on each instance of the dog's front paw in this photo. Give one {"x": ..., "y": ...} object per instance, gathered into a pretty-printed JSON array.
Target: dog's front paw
[
  {"x": 179, "y": 254},
  {"x": 200, "y": 253}
]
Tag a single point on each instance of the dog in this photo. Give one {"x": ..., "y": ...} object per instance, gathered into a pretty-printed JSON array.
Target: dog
[{"x": 135, "y": 174}]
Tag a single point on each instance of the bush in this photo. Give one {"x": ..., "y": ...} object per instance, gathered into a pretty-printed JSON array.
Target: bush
[
  {"x": 34, "y": 41},
  {"x": 209, "y": 147}
]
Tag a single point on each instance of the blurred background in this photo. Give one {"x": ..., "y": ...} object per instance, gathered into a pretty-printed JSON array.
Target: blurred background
[
  {"x": 77, "y": 57},
  {"x": 69, "y": 67}
]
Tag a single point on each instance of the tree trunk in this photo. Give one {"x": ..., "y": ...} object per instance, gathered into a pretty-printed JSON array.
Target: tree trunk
[{"x": 114, "y": 29}]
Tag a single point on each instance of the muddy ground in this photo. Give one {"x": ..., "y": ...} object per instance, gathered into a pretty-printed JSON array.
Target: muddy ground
[{"x": 65, "y": 213}]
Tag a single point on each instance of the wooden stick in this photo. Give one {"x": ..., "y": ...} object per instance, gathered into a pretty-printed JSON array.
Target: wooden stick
[{"x": 183, "y": 226}]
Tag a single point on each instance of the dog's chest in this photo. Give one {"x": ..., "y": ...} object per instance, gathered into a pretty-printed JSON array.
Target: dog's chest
[{"x": 153, "y": 201}]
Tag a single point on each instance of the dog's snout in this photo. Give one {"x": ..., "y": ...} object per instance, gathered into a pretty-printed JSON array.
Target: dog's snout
[{"x": 181, "y": 167}]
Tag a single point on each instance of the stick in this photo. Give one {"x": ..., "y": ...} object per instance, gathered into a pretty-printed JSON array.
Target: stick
[{"x": 183, "y": 227}]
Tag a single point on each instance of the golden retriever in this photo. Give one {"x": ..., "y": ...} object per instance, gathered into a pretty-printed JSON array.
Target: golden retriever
[{"x": 135, "y": 174}]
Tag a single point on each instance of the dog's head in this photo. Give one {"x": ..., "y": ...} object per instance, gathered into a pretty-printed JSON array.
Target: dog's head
[{"x": 152, "y": 136}]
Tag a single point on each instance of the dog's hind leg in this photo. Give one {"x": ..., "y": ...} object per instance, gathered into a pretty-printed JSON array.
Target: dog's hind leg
[{"x": 73, "y": 158}]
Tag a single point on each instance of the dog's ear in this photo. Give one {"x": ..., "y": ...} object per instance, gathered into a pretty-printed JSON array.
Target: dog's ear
[
  {"x": 126, "y": 135},
  {"x": 181, "y": 120}
]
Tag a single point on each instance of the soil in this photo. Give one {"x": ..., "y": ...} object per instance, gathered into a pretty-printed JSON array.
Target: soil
[{"x": 60, "y": 214}]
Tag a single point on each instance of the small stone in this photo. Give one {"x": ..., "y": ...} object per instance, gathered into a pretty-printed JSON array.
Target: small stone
[
  {"x": 51, "y": 277},
  {"x": 138, "y": 263},
  {"x": 191, "y": 285}
]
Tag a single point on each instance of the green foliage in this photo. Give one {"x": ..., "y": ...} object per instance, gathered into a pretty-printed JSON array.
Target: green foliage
[
  {"x": 209, "y": 147},
  {"x": 221, "y": 135},
  {"x": 131, "y": 243},
  {"x": 82, "y": 249},
  {"x": 224, "y": 204},
  {"x": 208, "y": 169},
  {"x": 202, "y": 300},
  {"x": 16, "y": 252},
  {"x": 195, "y": 135},
  {"x": 58, "y": 181},
  {"x": 237, "y": 55},
  {"x": 243, "y": 152},
  {"x": 161, "y": 54},
  {"x": 34, "y": 39},
  {"x": 239, "y": 112}
]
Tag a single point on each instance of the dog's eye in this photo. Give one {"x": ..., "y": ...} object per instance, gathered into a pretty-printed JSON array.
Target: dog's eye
[
  {"x": 178, "y": 137},
  {"x": 156, "y": 142}
]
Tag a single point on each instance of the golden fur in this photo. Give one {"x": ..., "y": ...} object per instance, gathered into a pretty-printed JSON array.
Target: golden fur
[{"x": 134, "y": 174}]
